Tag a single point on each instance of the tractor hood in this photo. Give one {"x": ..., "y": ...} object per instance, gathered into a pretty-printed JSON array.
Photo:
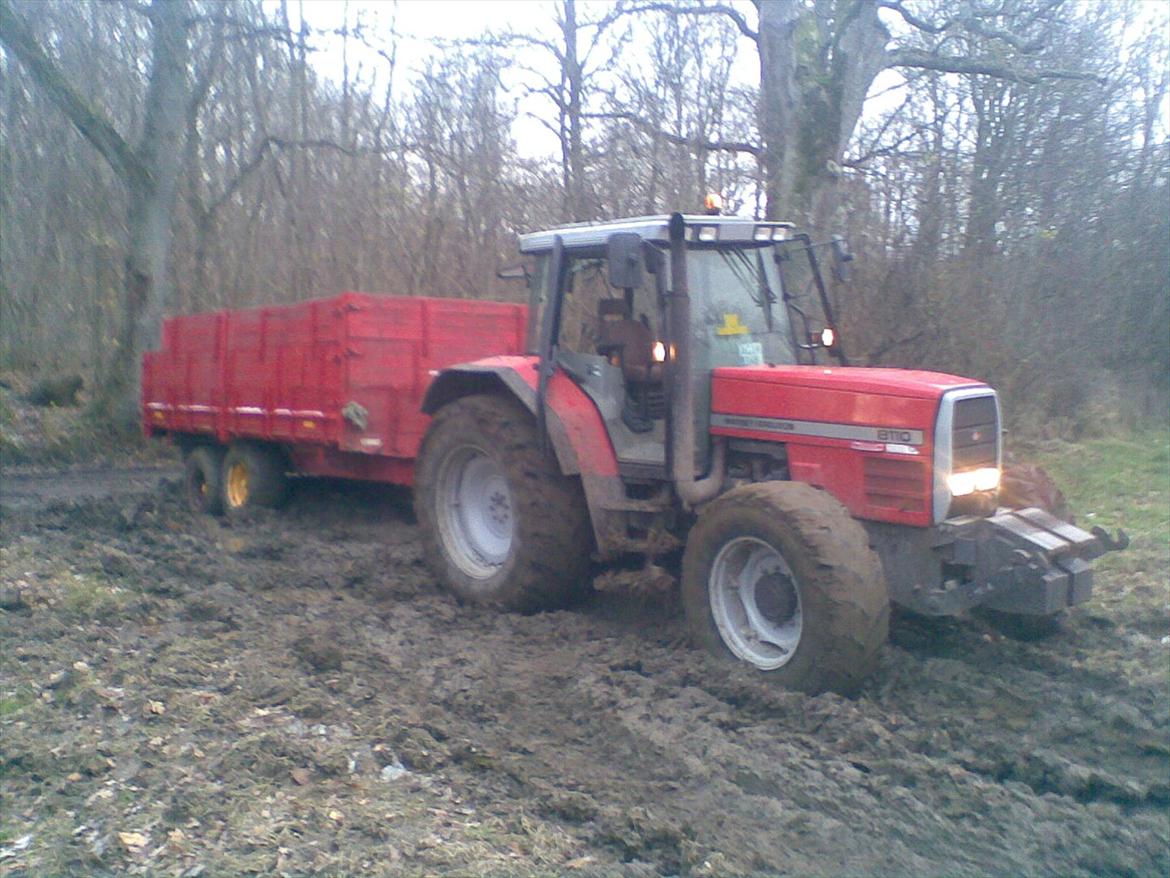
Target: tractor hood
[
  {"x": 875, "y": 398},
  {"x": 904, "y": 383},
  {"x": 865, "y": 435}
]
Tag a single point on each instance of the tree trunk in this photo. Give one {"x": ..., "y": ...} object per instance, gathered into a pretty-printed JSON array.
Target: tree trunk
[
  {"x": 816, "y": 67},
  {"x": 147, "y": 282},
  {"x": 150, "y": 173}
]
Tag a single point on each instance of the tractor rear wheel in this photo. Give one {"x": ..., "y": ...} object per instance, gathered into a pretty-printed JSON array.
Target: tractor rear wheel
[
  {"x": 253, "y": 476},
  {"x": 779, "y": 575},
  {"x": 501, "y": 526}
]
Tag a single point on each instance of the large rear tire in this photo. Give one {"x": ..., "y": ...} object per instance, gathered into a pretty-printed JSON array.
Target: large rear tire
[
  {"x": 501, "y": 526},
  {"x": 780, "y": 576},
  {"x": 202, "y": 472},
  {"x": 253, "y": 476}
]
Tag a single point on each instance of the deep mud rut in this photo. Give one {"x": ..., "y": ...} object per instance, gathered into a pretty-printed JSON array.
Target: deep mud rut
[{"x": 293, "y": 695}]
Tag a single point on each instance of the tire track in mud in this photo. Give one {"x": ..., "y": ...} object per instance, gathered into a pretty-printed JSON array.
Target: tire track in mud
[{"x": 965, "y": 754}]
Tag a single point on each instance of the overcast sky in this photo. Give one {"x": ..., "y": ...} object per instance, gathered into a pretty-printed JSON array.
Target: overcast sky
[{"x": 419, "y": 22}]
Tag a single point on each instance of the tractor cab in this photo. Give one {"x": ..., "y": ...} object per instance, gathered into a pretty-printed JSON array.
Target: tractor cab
[{"x": 600, "y": 299}]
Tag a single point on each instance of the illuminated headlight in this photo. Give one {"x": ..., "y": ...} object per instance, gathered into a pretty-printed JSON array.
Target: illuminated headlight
[
  {"x": 763, "y": 233},
  {"x": 983, "y": 479},
  {"x": 659, "y": 352},
  {"x": 708, "y": 233},
  {"x": 968, "y": 455}
]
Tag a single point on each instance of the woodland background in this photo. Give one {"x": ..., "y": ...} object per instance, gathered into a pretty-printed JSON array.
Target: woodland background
[{"x": 1009, "y": 209}]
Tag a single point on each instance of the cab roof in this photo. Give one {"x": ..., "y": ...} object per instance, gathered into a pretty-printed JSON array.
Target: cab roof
[{"x": 732, "y": 229}]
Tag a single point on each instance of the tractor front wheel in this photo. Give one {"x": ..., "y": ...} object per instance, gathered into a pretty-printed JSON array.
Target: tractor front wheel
[
  {"x": 780, "y": 576},
  {"x": 501, "y": 526}
]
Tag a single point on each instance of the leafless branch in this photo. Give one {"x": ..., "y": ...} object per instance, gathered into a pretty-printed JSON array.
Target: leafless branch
[
  {"x": 982, "y": 67},
  {"x": 19, "y": 40},
  {"x": 678, "y": 139},
  {"x": 712, "y": 9}
]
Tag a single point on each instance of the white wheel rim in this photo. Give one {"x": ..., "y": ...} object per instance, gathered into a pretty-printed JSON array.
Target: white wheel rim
[
  {"x": 475, "y": 512},
  {"x": 755, "y": 601}
]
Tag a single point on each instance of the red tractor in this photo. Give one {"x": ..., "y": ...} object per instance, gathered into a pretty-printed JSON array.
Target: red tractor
[{"x": 680, "y": 384}]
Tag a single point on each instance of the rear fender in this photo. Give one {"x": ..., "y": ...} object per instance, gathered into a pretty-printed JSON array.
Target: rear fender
[{"x": 575, "y": 427}]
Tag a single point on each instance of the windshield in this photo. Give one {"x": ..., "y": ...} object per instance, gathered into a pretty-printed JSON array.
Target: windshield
[{"x": 737, "y": 316}]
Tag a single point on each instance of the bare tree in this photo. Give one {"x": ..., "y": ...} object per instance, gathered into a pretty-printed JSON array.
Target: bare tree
[
  {"x": 818, "y": 59},
  {"x": 149, "y": 170}
]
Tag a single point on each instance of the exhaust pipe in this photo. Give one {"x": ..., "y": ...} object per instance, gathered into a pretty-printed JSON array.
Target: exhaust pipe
[{"x": 690, "y": 491}]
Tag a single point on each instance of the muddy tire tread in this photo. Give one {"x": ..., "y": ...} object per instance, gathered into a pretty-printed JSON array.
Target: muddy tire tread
[
  {"x": 205, "y": 462},
  {"x": 553, "y": 538},
  {"x": 267, "y": 482},
  {"x": 841, "y": 578}
]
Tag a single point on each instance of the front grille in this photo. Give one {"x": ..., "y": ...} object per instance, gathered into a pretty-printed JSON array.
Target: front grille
[
  {"x": 975, "y": 434},
  {"x": 895, "y": 484}
]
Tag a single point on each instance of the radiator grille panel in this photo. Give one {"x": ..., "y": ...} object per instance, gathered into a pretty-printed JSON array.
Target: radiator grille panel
[
  {"x": 975, "y": 435},
  {"x": 896, "y": 484}
]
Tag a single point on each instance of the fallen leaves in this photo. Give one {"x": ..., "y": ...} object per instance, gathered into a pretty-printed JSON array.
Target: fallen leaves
[{"x": 133, "y": 842}]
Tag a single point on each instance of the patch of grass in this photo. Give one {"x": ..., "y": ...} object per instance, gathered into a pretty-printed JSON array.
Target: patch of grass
[
  {"x": 83, "y": 597},
  {"x": 1121, "y": 482},
  {"x": 13, "y": 702}
]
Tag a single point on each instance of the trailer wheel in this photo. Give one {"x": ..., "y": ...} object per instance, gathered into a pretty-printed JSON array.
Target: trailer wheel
[
  {"x": 779, "y": 575},
  {"x": 253, "y": 476},
  {"x": 201, "y": 479},
  {"x": 501, "y": 526}
]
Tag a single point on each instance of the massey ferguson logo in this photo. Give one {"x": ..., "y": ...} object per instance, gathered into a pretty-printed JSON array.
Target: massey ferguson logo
[{"x": 820, "y": 429}]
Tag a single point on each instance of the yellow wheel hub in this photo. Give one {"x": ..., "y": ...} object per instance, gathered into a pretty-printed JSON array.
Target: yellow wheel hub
[{"x": 237, "y": 485}]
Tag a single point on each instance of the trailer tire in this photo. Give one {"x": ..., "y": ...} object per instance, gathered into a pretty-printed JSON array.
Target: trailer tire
[
  {"x": 501, "y": 525},
  {"x": 202, "y": 472},
  {"x": 253, "y": 476},
  {"x": 816, "y": 611}
]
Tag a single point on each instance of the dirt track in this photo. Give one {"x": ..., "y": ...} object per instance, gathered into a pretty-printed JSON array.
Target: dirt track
[{"x": 293, "y": 695}]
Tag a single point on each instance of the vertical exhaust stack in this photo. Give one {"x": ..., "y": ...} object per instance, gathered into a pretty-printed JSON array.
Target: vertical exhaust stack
[{"x": 692, "y": 492}]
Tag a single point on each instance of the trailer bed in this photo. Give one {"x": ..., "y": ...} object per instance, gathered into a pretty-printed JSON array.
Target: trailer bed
[{"x": 338, "y": 382}]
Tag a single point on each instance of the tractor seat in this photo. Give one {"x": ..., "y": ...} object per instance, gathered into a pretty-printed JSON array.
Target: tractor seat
[{"x": 627, "y": 342}]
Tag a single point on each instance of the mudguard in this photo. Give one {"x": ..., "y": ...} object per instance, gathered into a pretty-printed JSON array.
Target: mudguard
[{"x": 575, "y": 427}]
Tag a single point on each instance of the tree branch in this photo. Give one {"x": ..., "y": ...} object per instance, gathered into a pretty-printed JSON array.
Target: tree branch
[
  {"x": 981, "y": 67},
  {"x": 713, "y": 9},
  {"x": 18, "y": 39},
  {"x": 678, "y": 139}
]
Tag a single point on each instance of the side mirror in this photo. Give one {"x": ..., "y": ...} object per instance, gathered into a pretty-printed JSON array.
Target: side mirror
[
  {"x": 841, "y": 259},
  {"x": 624, "y": 255}
]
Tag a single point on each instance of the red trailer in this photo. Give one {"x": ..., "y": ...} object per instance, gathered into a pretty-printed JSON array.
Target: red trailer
[{"x": 337, "y": 383}]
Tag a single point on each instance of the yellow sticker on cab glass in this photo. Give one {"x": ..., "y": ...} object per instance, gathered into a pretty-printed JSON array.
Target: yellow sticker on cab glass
[{"x": 731, "y": 326}]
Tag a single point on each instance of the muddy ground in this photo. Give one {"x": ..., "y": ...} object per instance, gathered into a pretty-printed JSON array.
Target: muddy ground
[{"x": 292, "y": 695}]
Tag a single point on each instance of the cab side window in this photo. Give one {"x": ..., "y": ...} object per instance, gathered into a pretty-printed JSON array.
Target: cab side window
[{"x": 586, "y": 287}]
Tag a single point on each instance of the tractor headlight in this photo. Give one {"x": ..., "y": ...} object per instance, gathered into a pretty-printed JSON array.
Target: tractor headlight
[
  {"x": 968, "y": 455},
  {"x": 982, "y": 479}
]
